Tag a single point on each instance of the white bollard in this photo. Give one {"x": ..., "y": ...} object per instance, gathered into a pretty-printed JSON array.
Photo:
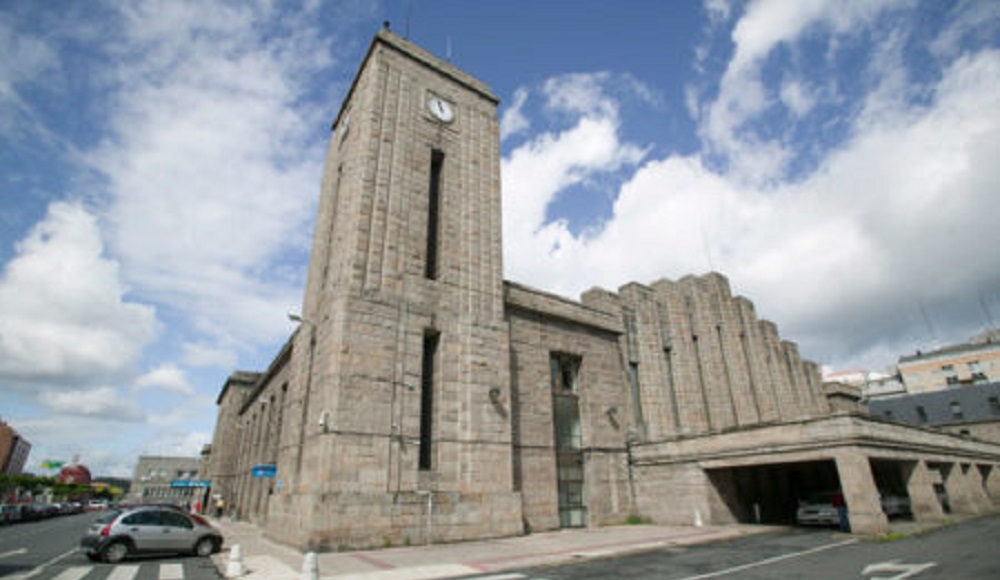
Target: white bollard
[
  {"x": 235, "y": 567},
  {"x": 697, "y": 518},
  {"x": 310, "y": 567}
]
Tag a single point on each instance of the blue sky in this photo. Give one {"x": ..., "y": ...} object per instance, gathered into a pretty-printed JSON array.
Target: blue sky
[{"x": 161, "y": 163}]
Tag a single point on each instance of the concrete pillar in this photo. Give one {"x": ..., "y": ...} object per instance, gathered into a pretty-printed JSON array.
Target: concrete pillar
[
  {"x": 960, "y": 489},
  {"x": 975, "y": 491},
  {"x": 857, "y": 483},
  {"x": 991, "y": 481},
  {"x": 920, "y": 487}
]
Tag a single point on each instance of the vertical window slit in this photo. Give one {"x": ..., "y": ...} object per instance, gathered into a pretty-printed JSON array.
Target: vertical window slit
[
  {"x": 427, "y": 399},
  {"x": 433, "y": 215}
]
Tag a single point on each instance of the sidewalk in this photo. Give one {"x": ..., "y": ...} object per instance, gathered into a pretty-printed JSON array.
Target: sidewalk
[{"x": 266, "y": 560}]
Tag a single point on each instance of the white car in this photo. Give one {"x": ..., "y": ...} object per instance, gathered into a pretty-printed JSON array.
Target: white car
[{"x": 817, "y": 510}]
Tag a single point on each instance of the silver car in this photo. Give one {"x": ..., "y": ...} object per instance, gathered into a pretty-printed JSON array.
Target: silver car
[{"x": 117, "y": 534}]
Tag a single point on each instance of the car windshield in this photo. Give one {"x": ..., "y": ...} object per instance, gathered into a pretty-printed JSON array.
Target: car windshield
[{"x": 107, "y": 517}]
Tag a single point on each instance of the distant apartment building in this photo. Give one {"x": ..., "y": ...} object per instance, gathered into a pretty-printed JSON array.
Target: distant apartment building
[
  {"x": 870, "y": 384},
  {"x": 971, "y": 411},
  {"x": 976, "y": 362},
  {"x": 14, "y": 450},
  {"x": 167, "y": 480}
]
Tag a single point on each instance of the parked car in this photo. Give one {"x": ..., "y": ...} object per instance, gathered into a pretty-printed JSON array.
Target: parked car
[
  {"x": 817, "y": 510},
  {"x": 119, "y": 533},
  {"x": 10, "y": 513},
  {"x": 97, "y": 504},
  {"x": 896, "y": 506}
]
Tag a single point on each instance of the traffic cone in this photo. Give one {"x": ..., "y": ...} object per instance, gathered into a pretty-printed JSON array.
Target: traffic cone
[
  {"x": 235, "y": 567},
  {"x": 310, "y": 567}
]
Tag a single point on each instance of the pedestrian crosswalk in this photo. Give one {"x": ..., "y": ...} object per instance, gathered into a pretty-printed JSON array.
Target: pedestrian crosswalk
[{"x": 150, "y": 570}]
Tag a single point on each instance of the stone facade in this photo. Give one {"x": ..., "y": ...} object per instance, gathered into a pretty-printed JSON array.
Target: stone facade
[
  {"x": 14, "y": 450},
  {"x": 425, "y": 399},
  {"x": 971, "y": 363},
  {"x": 157, "y": 477}
]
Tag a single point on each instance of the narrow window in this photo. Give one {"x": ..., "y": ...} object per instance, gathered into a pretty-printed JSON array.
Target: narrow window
[
  {"x": 433, "y": 215},
  {"x": 633, "y": 375},
  {"x": 564, "y": 370},
  {"x": 994, "y": 405},
  {"x": 956, "y": 410},
  {"x": 921, "y": 413},
  {"x": 427, "y": 398}
]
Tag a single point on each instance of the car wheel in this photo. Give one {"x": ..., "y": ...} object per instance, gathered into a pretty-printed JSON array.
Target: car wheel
[
  {"x": 114, "y": 552},
  {"x": 204, "y": 547}
]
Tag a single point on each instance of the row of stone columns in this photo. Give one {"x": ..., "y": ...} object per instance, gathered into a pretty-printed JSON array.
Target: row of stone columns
[{"x": 935, "y": 489}]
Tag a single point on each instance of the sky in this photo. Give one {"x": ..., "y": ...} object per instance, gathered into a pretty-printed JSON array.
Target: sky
[{"x": 160, "y": 166}]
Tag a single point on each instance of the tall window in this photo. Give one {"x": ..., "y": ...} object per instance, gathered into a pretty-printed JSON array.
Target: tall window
[
  {"x": 564, "y": 375},
  {"x": 564, "y": 369},
  {"x": 427, "y": 398},
  {"x": 633, "y": 377},
  {"x": 433, "y": 215}
]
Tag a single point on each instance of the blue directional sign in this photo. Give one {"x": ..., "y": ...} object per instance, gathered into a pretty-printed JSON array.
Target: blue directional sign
[
  {"x": 190, "y": 483},
  {"x": 266, "y": 470}
]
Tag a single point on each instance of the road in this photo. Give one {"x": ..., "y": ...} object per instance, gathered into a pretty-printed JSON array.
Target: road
[
  {"x": 47, "y": 550},
  {"x": 966, "y": 551}
]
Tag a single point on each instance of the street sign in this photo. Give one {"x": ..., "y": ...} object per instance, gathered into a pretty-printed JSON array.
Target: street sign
[
  {"x": 190, "y": 483},
  {"x": 266, "y": 470}
]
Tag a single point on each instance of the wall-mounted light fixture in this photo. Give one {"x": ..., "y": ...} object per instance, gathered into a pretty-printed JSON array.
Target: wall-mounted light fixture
[{"x": 612, "y": 414}]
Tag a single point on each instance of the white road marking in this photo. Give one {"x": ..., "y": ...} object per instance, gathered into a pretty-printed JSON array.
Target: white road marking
[
  {"x": 41, "y": 567},
  {"x": 171, "y": 572},
  {"x": 767, "y": 561},
  {"x": 907, "y": 570},
  {"x": 74, "y": 573},
  {"x": 123, "y": 573},
  {"x": 16, "y": 552}
]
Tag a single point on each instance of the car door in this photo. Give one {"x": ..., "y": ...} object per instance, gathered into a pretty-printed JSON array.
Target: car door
[
  {"x": 178, "y": 531},
  {"x": 143, "y": 527}
]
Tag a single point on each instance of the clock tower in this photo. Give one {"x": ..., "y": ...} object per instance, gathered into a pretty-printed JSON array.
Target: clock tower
[{"x": 398, "y": 419}]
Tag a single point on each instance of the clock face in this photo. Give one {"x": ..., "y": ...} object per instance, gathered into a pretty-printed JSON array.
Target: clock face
[{"x": 441, "y": 109}]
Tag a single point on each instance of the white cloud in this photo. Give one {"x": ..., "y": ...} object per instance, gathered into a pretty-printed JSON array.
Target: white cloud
[
  {"x": 213, "y": 153},
  {"x": 898, "y": 216},
  {"x": 513, "y": 120},
  {"x": 102, "y": 402},
  {"x": 743, "y": 94},
  {"x": 177, "y": 443},
  {"x": 209, "y": 355},
  {"x": 26, "y": 59},
  {"x": 542, "y": 169},
  {"x": 167, "y": 377},
  {"x": 797, "y": 97},
  {"x": 63, "y": 312},
  {"x": 580, "y": 94}
]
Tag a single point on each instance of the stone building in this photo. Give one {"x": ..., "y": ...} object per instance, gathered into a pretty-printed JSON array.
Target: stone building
[
  {"x": 424, "y": 399},
  {"x": 971, "y": 411},
  {"x": 173, "y": 480},
  {"x": 975, "y": 362},
  {"x": 14, "y": 450}
]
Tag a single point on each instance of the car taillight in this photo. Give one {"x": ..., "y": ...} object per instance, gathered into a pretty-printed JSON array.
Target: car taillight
[{"x": 106, "y": 531}]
